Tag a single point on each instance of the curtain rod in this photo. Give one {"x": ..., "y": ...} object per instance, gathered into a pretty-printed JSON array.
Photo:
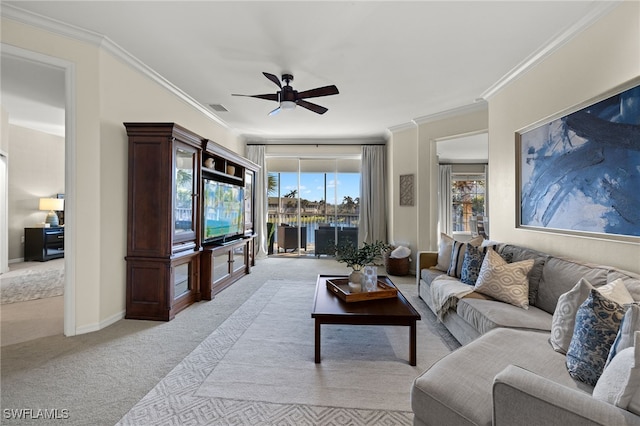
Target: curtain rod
[
  {"x": 470, "y": 164},
  {"x": 312, "y": 144}
]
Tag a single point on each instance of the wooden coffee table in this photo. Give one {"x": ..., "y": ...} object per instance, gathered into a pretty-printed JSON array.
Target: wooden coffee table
[{"x": 330, "y": 309}]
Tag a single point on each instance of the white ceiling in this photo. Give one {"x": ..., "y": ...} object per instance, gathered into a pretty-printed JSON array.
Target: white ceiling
[{"x": 393, "y": 61}]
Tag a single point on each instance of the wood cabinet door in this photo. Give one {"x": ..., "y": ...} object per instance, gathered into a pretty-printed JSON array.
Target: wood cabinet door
[{"x": 186, "y": 179}]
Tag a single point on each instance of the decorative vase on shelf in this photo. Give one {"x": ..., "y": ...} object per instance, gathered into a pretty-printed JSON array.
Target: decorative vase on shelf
[{"x": 209, "y": 163}]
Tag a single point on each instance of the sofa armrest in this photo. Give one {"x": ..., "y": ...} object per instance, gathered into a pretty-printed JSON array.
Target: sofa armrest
[
  {"x": 427, "y": 259},
  {"x": 521, "y": 397}
]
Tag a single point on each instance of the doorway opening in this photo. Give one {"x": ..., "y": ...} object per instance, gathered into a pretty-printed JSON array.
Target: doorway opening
[{"x": 38, "y": 110}]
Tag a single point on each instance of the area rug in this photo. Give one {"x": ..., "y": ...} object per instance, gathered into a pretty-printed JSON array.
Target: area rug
[
  {"x": 37, "y": 282},
  {"x": 258, "y": 368}
]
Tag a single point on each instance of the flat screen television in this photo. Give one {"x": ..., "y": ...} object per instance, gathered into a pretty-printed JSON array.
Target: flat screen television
[{"x": 223, "y": 211}]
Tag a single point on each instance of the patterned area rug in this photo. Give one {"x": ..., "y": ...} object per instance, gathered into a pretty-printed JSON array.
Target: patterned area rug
[
  {"x": 258, "y": 368},
  {"x": 37, "y": 282}
]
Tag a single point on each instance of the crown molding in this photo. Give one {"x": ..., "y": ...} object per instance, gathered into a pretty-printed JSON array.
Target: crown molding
[
  {"x": 479, "y": 105},
  {"x": 109, "y": 46},
  {"x": 257, "y": 140},
  {"x": 600, "y": 9},
  {"x": 411, "y": 125}
]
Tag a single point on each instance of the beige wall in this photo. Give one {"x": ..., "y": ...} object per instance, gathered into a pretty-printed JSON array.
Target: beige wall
[
  {"x": 4, "y": 130},
  {"x": 402, "y": 159},
  {"x": 128, "y": 96},
  {"x": 414, "y": 151},
  {"x": 107, "y": 92},
  {"x": 604, "y": 56},
  {"x": 36, "y": 170}
]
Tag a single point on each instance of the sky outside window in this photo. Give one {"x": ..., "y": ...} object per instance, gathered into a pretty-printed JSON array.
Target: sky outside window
[{"x": 312, "y": 185}]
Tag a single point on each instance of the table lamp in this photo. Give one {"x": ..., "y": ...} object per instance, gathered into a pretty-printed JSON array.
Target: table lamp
[{"x": 52, "y": 205}]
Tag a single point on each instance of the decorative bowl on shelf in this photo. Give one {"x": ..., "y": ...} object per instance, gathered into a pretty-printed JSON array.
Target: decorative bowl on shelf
[
  {"x": 231, "y": 170},
  {"x": 209, "y": 163}
]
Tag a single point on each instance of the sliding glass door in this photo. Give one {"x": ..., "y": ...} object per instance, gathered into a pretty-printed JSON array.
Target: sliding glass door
[{"x": 311, "y": 203}]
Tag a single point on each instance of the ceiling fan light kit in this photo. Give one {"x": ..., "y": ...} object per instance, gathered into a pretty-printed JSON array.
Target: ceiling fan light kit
[{"x": 288, "y": 98}]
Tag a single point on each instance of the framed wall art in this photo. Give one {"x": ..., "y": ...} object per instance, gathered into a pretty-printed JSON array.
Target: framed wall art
[
  {"x": 580, "y": 173},
  {"x": 406, "y": 190}
]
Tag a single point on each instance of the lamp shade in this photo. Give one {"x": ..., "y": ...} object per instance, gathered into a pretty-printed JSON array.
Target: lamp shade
[{"x": 48, "y": 204}]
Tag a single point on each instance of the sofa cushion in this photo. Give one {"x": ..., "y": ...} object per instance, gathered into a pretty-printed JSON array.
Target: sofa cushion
[
  {"x": 472, "y": 369},
  {"x": 485, "y": 315},
  {"x": 564, "y": 317},
  {"x": 597, "y": 324},
  {"x": 560, "y": 275},
  {"x": 628, "y": 327},
  {"x": 504, "y": 281},
  {"x": 513, "y": 253},
  {"x": 428, "y": 274}
]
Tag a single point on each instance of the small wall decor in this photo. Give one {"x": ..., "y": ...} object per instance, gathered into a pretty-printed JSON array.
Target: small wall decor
[
  {"x": 579, "y": 173},
  {"x": 406, "y": 190}
]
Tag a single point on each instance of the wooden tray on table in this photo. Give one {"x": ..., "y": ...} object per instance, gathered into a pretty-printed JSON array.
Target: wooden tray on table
[{"x": 340, "y": 287}]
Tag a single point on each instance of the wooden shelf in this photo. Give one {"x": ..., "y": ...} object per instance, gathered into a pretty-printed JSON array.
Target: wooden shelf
[{"x": 221, "y": 174}]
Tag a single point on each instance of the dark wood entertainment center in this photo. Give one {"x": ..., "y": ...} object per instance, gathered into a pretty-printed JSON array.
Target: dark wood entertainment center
[{"x": 169, "y": 265}]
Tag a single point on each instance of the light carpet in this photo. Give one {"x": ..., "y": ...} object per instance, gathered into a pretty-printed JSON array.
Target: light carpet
[
  {"x": 258, "y": 368},
  {"x": 37, "y": 281}
]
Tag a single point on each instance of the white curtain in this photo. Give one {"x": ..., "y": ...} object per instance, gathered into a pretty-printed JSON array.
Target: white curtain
[
  {"x": 256, "y": 153},
  {"x": 444, "y": 199},
  {"x": 486, "y": 198},
  {"x": 373, "y": 195}
]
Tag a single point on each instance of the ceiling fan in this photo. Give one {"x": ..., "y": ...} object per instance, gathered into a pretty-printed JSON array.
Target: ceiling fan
[{"x": 289, "y": 98}]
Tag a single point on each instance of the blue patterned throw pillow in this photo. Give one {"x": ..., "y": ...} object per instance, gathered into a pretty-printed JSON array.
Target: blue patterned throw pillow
[
  {"x": 471, "y": 264},
  {"x": 597, "y": 323}
]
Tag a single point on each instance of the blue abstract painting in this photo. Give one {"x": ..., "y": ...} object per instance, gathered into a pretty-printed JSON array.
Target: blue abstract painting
[{"x": 581, "y": 172}]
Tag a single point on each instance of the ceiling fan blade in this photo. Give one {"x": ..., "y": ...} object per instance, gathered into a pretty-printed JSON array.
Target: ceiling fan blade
[
  {"x": 273, "y": 78},
  {"x": 275, "y": 111},
  {"x": 320, "y": 91},
  {"x": 312, "y": 107},
  {"x": 268, "y": 97}
]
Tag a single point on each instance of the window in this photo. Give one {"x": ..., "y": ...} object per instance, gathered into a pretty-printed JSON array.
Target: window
[
  {"x": 467, "y": 200},
  {"x": 313, "y": 193}
]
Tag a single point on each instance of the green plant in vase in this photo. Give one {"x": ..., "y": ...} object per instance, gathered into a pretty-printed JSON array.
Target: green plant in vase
[{"x": 357, "y": 258}]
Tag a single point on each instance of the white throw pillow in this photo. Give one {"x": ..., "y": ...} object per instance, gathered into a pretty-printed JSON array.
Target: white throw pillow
[
  {"x": 564, "y": 317},
  {"x": 444, "y": 252},
  {"x": 507, "y": 282},
  {"x": 616, "y": 291},
  {"x": 620, "y": 381}
]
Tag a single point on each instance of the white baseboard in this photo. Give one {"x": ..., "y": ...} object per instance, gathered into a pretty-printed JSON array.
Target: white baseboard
[{"x": 102, "y": 324}]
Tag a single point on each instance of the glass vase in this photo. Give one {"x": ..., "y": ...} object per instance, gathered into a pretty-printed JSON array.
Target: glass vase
[{"x": 370, "y": 280}]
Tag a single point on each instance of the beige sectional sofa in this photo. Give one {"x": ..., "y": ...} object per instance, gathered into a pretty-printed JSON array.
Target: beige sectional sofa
[{"x": 507, "y": 372}]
